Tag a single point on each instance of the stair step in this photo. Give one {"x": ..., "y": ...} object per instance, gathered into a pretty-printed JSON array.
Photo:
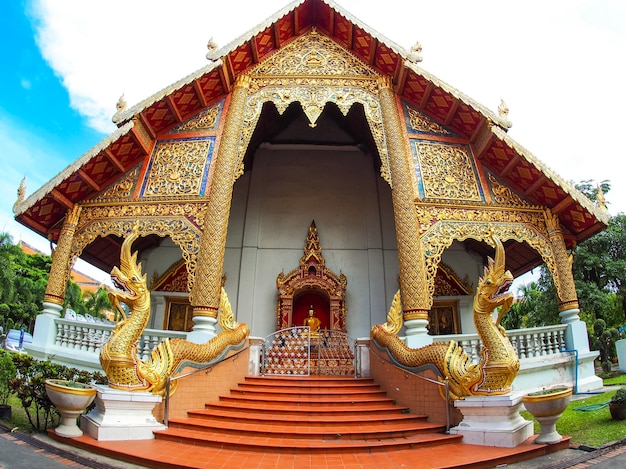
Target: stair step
[
  {"x": 309, "y": 381},
  {"x": 317, "y": 393},
  {"x": 318, "y": 419},
  {"x": 309, "y": 403},
  {"x": 289, "y": 409},
  {"x": 249, "y": 442},
  {"x": 331, "y": 430}
]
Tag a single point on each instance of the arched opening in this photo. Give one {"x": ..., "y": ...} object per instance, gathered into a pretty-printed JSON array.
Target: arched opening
[{"x": 293, "y": 173}]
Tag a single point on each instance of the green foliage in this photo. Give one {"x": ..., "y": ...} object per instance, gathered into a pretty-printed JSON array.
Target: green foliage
[
  {"x": 8, "y": 372},
  {"x": 23, "y": 280},
  {"x": 29, "y": 386},
  {"x": 604, "y": 340},
  {"x": 619, "y": 397},
  {"x": 599, "y": 270}
]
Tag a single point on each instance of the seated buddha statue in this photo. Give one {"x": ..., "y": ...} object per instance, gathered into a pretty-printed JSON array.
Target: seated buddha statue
[{"x": 313, "y": 322}]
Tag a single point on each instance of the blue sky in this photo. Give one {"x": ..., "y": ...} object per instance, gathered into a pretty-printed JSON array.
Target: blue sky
[{"x": 559, "y": 66}]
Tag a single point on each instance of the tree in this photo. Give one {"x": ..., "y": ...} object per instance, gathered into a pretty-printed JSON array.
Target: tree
[{"x": 23, "y": 281}]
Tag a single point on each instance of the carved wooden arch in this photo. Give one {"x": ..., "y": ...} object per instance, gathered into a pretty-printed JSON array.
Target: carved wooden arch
[
  {"x": 440, "y": 236},
  {"x": 311, "y": 275},
  {"x": 182, "y": 232}
]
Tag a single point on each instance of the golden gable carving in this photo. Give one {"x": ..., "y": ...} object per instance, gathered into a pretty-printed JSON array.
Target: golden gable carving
[{"x": 313, "y": 54}]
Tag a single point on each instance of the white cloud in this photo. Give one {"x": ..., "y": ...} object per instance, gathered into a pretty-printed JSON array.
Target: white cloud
[{"x": 557, "y": 64}]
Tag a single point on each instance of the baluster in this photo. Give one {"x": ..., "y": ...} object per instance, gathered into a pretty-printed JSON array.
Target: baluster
[
  {"x": 59, "y": 338},
  {"x": 543, "y": 343},
  {"x": 536, "y": 345},
  {"x": 529, "y": 345},
  {"x": 553, "y": 344},
  {"x": 144, "y": 347},
  {"x": 71, "y": 341},
  {"x": 84, "y": 338},
  {"x": 91, "y": 342}
]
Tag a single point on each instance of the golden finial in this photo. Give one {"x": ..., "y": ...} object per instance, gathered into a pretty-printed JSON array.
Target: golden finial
[
  {"x": 600, "y": 200},
  {"x": 21, "y": 195},
  {"x": 121, "y": 104},
  {"x": 415, "y": 53},
  {"x": 212, "y": 47},
  {"x": 503, "y": 113}
]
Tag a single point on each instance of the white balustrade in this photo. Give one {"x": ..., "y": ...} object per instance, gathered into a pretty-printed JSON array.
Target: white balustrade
[
  {"x": 528, "y": 343},
  {"x": 75, "y": 336}
]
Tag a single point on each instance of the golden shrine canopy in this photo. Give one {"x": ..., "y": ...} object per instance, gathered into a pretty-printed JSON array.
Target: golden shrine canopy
[{"x": 109, "y": 163}]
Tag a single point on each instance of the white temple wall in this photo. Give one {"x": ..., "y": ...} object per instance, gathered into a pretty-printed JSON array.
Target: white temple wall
[{"x": 273, "y": 206}]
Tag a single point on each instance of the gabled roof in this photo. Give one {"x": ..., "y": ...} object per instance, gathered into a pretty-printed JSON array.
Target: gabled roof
[{"x": 140, "y": 125}]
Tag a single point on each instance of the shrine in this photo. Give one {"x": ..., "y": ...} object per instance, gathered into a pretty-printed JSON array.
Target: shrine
[{"x": 314, "y": 131}]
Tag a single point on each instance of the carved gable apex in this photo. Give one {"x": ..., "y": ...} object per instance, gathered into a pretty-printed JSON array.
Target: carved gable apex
[{"x": 313, "y": 54}]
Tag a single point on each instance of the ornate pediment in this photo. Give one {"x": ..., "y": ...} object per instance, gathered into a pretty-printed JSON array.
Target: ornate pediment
[
  {"x": 174, "y": 279},
  {"x": 313, "y": 54},
  {"x": 312, "y": 275},
  {"x": 448, "y": 283}
]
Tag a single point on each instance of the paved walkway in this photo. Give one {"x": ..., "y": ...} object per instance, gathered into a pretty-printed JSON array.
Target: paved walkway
[{"x": 21, "y": 451}]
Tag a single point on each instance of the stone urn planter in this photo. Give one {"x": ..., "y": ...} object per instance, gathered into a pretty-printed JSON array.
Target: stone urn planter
[
  {"x": 71, "y": 399},
  {"x": 547, "y": 406}
]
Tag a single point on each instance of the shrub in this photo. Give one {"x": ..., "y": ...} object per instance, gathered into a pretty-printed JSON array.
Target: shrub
[
  {"x": 29, "y": 386},
  {"x": 8, "y": 372},
  {"x": 619, "y": 397}
]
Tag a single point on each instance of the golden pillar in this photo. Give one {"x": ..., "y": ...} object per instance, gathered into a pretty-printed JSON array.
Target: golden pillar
[
  {"x": 413, "y": 285},
  {"x": 60, "y": 269},
  {"x": 563, "y": 276},
  {"x": 205, "y": 296}
]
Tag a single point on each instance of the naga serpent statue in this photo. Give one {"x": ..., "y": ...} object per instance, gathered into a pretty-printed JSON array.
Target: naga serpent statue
[
  {"x": 499, "y": 364},
  {"x": 118, "y": 356}
]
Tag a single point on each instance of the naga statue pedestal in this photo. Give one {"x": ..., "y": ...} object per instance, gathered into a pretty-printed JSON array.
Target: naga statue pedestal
[
  {"x": 122, "y": 415},
  {"x": 493, "y": 421}
]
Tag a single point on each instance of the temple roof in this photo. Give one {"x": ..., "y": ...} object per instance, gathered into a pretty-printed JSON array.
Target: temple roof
[{"x": 477, "y": 126}]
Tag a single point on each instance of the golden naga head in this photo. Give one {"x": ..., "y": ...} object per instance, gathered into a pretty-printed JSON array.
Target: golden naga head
[
  {"x": 493, "y": 287},
  {"x": 128, "y": 279}
]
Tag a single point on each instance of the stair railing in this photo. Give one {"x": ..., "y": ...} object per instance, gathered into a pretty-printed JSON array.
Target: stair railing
[
  {"x": 291, "y": 352},
  {"x": 207, "y": 369},
  {"x": 410, "y": 371},
  {"x": 335, "y": 353},
  {"x": 287, "y": 352}
]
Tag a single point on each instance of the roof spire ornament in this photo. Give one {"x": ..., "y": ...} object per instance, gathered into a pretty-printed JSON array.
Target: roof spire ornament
[
  {"x": 212, "y": 47},
  {"x": 503, "y": 113},
  {"x": 21, "y": 193},
  {"x": 415, "y": 53},
  {"x": 121, "y": 104},
  {"x": 600, "y": 200}
]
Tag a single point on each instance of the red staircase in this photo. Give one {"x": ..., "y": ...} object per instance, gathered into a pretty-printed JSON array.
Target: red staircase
[
  {"x": 316, "y": 414},
  {"x": 306, "y": 423}
]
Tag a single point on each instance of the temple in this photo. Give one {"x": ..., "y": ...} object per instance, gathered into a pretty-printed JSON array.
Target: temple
[{"x": 313, "y": 163}]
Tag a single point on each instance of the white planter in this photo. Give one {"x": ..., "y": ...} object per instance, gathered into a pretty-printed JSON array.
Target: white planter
[
  {"x": 547, "y": 407},
  {"x": 71, "y": 399}
]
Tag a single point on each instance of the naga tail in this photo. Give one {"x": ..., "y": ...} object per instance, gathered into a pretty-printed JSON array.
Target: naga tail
[{"x": 453, "y": 364}]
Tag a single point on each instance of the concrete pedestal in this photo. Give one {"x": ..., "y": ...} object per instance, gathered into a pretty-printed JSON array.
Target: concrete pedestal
[
  {"x": 493, "y": 421},
  {"x": 121, "y": 415}
]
